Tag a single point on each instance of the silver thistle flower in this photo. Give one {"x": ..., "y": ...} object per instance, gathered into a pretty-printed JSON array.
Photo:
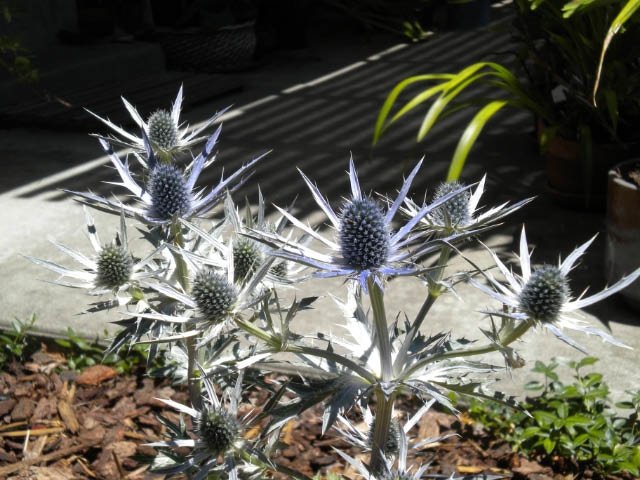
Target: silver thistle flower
[
  {"x": 366, "y": 247},
  {"x": 163, "y": 128},
  {"x": 461, "y": 212},
  {"x": 112, "y": 269},
  {"x": 215, "y": 298},
  {"x": 216, "y": 432},
  {"x": 169, "y": 193},
  {"x": 389, "y": 471},
  {"x": 542, "y": 295},
  {"x": 248, "y": 253}
]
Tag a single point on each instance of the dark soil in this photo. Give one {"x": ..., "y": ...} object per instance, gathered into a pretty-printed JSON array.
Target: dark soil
[{"x": 94, "y": 425}]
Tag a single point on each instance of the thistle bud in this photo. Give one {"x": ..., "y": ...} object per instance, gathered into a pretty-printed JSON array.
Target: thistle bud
[
  {"x": 114, "y": 266},
  {"x": 247, "y": 257},
  {"x": 214, "y": 296},
  {"x": 169, "y": 192},
  {"x": 454, "y": 211},
  {"x": 216, "y": 430},
  {"x": 163, "y": 132},
  {"x": 544, "y": 294}
]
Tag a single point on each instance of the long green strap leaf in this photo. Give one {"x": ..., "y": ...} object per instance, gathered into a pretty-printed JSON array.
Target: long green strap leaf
[
  {"x": 625, "y": 14},
  {"x": 444, "y": 99},
  {"x": 397, "y": 90},
  {"x": 469, "y": 137}
]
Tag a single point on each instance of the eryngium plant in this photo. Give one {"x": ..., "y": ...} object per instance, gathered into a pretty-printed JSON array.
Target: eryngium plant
[{"x": 212, "y": 292}]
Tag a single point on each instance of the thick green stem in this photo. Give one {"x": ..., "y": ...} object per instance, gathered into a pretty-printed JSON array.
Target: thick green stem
[
  {"x": 182, "y": 274},
  {"x": 381, "y": 426},
  {"x": 376, "y": 296},
  {"x": 182, "y": 270},
  {"x": 436, "y": 275},
  {"x": 433, "y": 293}
]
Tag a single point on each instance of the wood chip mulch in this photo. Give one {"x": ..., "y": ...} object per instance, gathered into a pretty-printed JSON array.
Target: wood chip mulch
[{"x": 94, "y": 425}]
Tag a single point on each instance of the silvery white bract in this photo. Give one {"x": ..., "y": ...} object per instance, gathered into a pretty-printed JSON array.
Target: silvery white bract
[{"x": 462, "y": 212}]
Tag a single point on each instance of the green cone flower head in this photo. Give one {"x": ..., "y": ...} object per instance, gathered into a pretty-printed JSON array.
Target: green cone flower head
[
  {"x": 364, "y": 234},
  {"x": 163, "y": 132},
  {"x": 216, "y": 430},
  {"x": 247, "y": 257},
  {"x": 115, "y": 266},
  {"x": 545, "y": 293},
  {"x": 213, "y": 294},
  {"x": 455, "y": 211},
  {"x": 169, "y": 192}
]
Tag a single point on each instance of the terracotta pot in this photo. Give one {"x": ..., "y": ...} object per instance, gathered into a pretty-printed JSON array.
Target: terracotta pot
[
  {"x": 622, "y": 250},
  {"x": 569, "y": 181}
]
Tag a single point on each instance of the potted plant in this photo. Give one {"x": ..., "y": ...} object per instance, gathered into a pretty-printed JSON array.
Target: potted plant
[
  {"x": 582, "y": 82},
  {"x": 623, "y": 226}
]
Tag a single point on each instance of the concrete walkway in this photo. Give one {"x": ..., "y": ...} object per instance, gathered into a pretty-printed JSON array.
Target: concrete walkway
[{"x": 312, "y": 108}]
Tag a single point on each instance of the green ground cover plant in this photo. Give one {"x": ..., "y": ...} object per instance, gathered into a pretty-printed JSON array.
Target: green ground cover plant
[
  {"x": 576, "y": 421},
  {"x": 22, "y": 340},
  {"x": 16, "y": 342}
]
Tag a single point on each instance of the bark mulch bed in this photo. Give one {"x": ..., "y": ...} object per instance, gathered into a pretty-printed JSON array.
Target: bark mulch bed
[{"x": 94, "y": 425}]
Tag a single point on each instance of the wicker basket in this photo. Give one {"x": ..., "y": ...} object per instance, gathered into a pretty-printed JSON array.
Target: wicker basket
[{"x": 227, "y": 49}]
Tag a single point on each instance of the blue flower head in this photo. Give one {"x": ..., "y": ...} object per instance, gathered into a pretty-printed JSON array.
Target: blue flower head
[
  {"x": 169, "y": 192},
  {"x": 364, "y": 235}
]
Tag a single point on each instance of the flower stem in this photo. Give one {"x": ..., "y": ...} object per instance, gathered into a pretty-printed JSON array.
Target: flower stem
[
  {"x": 381, "y": 426},
  {"x": 413, "y": 331},
  {"x": 182, "y": 273},
  {"x": 182, "y": 270},
  {"x": 376, "y": 296},
  {"x": 432, "y": 294}
]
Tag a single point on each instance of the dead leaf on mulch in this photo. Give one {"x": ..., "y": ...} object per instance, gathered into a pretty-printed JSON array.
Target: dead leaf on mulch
[
  {"x": 528, "y": 467},
  {"x": 95, "y": 374},
  {"x": 65, "y": 408},
  {"x": 46, "y": 473}
]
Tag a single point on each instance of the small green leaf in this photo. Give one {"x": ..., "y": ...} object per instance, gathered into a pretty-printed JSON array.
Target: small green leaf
[
  {"x": 548, "y": 445},
  {"x": 586, "y": 361}
]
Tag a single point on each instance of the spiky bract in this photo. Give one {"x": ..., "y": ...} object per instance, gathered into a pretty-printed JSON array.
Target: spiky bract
[
  {"x": 545, "y": 293},
  {"x": 213, "y": 294},
  {"x": 364, "y": 235},
  {"x": 170, "y": 194},
  {"x": 163, "y": 132},
  {"x": 115, "y": 266}
]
